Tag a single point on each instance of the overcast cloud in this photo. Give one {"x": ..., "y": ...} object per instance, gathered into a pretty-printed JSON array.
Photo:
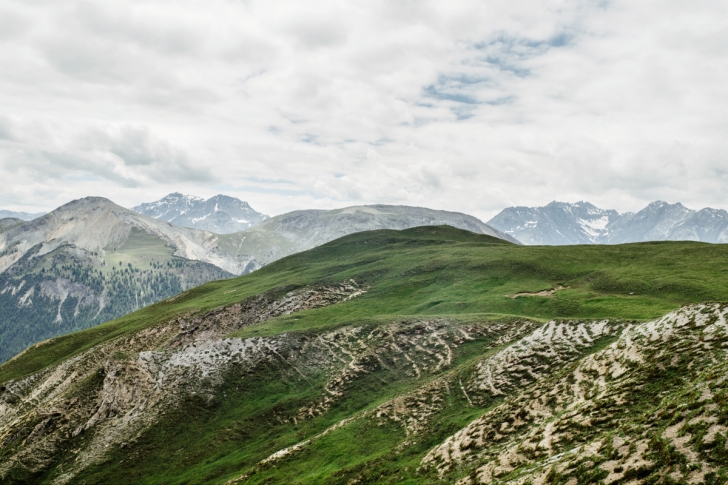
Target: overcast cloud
[{"x": 458, "y": 105}]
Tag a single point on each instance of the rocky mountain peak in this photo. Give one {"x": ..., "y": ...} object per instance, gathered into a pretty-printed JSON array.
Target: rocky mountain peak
[
  {"x": 583, "y": 223},
  {"x": 221, "y": 214},
  {"x": 92, "y": 202}
]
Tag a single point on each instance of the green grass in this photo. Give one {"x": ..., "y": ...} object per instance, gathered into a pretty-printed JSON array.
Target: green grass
[
  {"x": 210, "y": 441},
  {"x": 442, "y": 271},
  {"x": 430, "y": 272},
  {"x": 138, "y": 249}
]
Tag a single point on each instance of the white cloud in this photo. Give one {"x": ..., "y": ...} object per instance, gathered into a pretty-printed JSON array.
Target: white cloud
[{"x": 455, "y": 105}]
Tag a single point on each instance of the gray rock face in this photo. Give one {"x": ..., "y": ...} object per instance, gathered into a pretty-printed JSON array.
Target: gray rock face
[
  {"x": 582, "y": 223},
  {"x": 97, "y": 224},
  {"x": 9, "y": 222},
  {"x": 24, "y": 216},
  {"x": 705, "y": 225},
  {"x": 555, "y": 224},
  {"x": 220, "y": 214}
]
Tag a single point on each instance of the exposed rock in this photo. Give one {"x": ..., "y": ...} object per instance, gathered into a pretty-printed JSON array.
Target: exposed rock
[
  {"x": 219, "y": 214},
  {"x": 582, "y": 223}
]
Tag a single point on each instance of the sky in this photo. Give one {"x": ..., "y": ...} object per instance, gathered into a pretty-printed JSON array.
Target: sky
[{"x": 459, "y": 105}]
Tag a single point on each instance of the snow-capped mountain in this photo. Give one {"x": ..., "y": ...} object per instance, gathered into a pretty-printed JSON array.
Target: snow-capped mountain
[
  {"x": 220, "y": 214},
  {"x": 555, "y": 224},
  {"x": 582, "y": 223}
]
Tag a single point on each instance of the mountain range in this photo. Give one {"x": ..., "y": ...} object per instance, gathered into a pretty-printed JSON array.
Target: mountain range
[
  {"x": 219, "y": 214},
  {"x": 582, "y": 223},
  {"x": 430, "y": 355},
  {"x": 91, "y": 260},
  {"x": 298, "y": 231},
  {"x": 23, "y": 216}
]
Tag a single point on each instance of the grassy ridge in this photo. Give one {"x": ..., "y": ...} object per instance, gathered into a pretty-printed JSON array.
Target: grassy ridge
[{"x": 443, "y": 271}]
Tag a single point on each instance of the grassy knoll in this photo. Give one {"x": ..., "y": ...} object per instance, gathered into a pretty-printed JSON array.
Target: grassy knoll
[{"x": 443, "y": 271}]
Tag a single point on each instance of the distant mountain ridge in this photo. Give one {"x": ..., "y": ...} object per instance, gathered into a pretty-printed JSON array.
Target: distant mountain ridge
[
  {"x": 560, "y": 223},
  {"x": 25, "y": 216},
  {"x": 298, "y": 231},
  {"x": 220, "y": 214}
]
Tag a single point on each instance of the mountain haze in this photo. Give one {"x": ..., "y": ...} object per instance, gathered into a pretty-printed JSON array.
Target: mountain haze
[
  {"x": 219, "y": 214},
  {"x": 25, "y": 216},
  {"x": 582, "y": 223},
  {"x": 262, "y": 240}
]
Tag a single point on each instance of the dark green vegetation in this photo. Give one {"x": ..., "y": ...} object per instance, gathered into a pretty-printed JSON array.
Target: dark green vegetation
[
  {"x": 406, "y": 365},
  {"x": 69, "y": 289}
]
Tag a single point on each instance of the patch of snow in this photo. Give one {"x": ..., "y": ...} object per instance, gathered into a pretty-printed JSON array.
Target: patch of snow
[{"x": 594, "y": 227}]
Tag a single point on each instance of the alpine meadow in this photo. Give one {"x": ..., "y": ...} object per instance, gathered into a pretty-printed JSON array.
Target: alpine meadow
[{"x": 429, "y": 355}]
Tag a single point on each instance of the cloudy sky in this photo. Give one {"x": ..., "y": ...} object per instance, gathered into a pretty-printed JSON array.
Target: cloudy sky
[{"x": 459, "y": 105}]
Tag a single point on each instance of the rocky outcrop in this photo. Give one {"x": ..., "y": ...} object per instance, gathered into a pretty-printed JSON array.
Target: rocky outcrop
[
  {"x": 604, "y": 415},
  {"x": 562, "y": 401},
  {"x": 113, "y": 392}
]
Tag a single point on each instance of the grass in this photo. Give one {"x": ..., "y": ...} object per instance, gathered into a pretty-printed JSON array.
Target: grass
[
  {"x": 210, "y": 441},
  {"x": 138, "y": 249},
  {"x": 429, "y": 272},
  {"x": 442, "y": 271}
]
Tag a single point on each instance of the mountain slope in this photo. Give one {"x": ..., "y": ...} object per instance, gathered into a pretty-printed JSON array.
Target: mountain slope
[
  {"x": 219, "y": 214},
  {"x": 581, "y": 223},
  {"x": 61, "y": 272},
  {"x": 97, "y": 224},
  {"x": 653, "y": 223},
  {"x": 87, "y": 262},
  {"x": 371, "y": 359},
  {"x": 301, "y": 230},
  {"x": 555, "y": 224}
]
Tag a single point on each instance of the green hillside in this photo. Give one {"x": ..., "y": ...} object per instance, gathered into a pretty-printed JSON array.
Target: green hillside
[{"x": 360, "y": 361}]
